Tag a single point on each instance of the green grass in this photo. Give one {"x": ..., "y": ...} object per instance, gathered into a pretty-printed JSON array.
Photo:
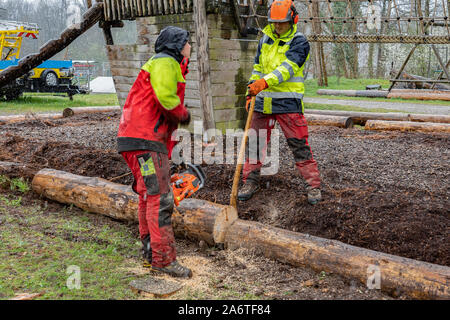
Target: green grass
[
  {"x": 15, "y": 184},
  {"x": 33, "y": 102},
  {"x": 38, "y": 247},
  {"x": 311, "y": 88}
]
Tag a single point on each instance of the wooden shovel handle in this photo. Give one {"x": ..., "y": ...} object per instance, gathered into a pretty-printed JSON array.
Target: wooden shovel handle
[{"x": 237, "y": 173}]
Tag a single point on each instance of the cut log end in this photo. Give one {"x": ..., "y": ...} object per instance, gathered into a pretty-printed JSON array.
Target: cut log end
[{"x": 68, "y": 112}]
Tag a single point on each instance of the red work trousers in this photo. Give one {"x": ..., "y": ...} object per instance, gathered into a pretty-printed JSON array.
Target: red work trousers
[
  {"x": 295, "y": 130},
  {"x": 152, "y": 182}
]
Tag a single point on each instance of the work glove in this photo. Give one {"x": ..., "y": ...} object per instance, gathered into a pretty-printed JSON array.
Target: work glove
[
  {"x": 184, "y": 66},
  {"x": 257, "y": 86},
  {"x": 187, "y": 121}
]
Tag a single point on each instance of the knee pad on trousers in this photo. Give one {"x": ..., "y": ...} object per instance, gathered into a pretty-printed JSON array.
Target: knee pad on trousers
[
  {"x": 301, "y": 151},
  {"x": 165, "y": 209}
]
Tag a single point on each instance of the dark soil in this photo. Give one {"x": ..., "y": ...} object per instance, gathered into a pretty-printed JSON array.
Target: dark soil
[{"x": 385, "y": 191}]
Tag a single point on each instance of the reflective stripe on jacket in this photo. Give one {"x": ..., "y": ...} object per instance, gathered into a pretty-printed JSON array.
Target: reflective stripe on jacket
[
  {"x": 154, "y": 106},
  {"x": 280, "y": 61}
]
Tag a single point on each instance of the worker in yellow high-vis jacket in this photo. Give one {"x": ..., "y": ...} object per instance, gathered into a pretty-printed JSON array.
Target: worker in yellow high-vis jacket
[{"x": 277, "y": 82}]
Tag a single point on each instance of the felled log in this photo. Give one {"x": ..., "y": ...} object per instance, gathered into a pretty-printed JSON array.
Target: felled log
[
  {"x": 69, "y": 112},
  {"x": 28, "y": 117},
  {"x": 203, "y": 220},
  {"x": 420, "y": 95},
  {"x": 362, "y": 117},
  {"x": 196, "y": 219},
  {"x": 328, "y": 120},
  {"x": 438, "y": 118},
  {"x": 354, "y": 93},
  {"x": 407, "y": 126},
  {"x": 398, "y": 275},
  {"x": 359, "y": 118},
  {"x": 90, "y": 18}
]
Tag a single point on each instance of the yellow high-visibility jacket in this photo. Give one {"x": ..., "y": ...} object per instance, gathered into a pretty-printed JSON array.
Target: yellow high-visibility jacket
[{"x": 280, "y": 61}]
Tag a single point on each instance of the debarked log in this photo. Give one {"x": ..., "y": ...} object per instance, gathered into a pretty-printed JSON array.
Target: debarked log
[
  {"x": 28, "y": 117},
  {"x": 438, "y": 118},
  {"x": 354, "y": 93},
  {"x": 361, "y": 118},
  {"x": 398, "y": 275},
  {"x": 328, "y": 120},
  {"x": 195, "y": 219},
  {"x": 69, "y": 112},
  {"x": 420, "y": 95},
  {"x": 407, "y": 126},
  {"x": 213, "y": 223}
]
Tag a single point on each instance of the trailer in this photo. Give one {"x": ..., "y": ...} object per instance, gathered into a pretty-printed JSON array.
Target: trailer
[{"x": 51, "y": 76}]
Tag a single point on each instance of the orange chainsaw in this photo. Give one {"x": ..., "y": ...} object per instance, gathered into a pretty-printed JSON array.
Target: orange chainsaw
[{"x": 188, "y": 182}]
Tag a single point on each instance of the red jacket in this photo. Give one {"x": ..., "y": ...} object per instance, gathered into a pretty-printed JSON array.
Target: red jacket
[{"x": 154, "y": 106}]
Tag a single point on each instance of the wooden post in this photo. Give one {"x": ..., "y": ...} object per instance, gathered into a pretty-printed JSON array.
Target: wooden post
[
  {"x": 201, "y": 35},
  {"x": 109, "y": 40}
]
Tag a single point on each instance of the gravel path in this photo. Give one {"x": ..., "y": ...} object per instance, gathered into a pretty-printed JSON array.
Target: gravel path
[{"x": 408, "y": 107}]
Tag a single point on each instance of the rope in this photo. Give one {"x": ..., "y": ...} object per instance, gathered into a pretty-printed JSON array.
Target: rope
[{"x": 379, "y": 39}]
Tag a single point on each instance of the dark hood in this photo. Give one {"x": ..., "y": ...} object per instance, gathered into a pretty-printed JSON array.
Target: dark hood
[{"x": 171, "y": 40}]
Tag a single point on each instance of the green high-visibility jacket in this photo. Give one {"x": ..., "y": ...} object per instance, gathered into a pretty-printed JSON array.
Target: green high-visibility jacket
[{"x": 280, "y": 61}]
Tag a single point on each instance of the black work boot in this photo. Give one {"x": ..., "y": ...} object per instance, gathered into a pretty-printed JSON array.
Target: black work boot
[
  {"x": 146, "y": 252},
  {"x": 314, "y": 195},
  {"x": 248, "y": 190},
  {"x": 175, "y": 270}
]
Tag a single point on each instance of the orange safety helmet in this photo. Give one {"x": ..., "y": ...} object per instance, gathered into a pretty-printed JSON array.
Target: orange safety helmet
[{"x": 283, "y": 11}]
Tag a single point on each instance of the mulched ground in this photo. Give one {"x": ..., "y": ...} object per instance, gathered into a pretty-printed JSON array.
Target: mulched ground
[{"x": 385, "y": 191}]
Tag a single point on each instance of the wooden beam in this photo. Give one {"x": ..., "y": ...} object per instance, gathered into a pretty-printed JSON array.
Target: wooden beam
[
  {"x": 107, "y": 34},
  {"x": 213, "y": 223},
  {"x": 403, "y": 66},
  {"x": 201, "y": 35}
]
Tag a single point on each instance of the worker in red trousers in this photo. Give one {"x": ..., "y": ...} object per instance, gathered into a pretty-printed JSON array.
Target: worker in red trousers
[
  {"x": 152, "y": 111},
  {"x": 277, "y": 81}
]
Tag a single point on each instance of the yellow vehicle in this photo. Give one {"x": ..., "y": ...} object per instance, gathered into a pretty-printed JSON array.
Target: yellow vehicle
[{"x": 50, "y": 76}]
